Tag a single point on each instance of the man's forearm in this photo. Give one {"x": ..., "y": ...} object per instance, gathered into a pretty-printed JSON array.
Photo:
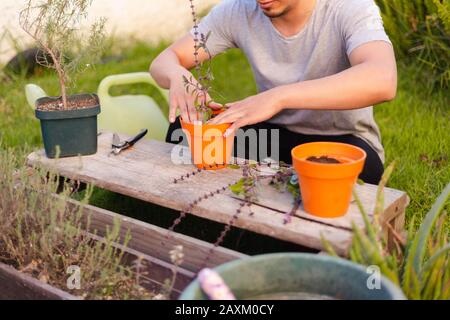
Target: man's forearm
[
  {"x": 165, "y": 68},
  {"x": 360, "y": 86}
]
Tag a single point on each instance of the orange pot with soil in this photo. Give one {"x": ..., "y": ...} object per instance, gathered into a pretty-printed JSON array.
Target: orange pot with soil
[
  {"x": 327, "y": 172},
  {"x": 210, "y": 150}
]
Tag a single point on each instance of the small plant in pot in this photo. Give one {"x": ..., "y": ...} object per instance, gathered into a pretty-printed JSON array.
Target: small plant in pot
[
  {"x": 68, "y": 122},
  {"x": 210, "y": 150}
]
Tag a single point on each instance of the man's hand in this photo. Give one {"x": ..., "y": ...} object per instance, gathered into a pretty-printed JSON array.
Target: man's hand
[
  {"x": 249, "y": 111},
  {"x": 168, "y": 70},
  {"x": 180, "y": 98}
]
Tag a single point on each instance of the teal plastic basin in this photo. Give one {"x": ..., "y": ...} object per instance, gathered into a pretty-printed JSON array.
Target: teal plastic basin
[{"x": 298, "y": 276}]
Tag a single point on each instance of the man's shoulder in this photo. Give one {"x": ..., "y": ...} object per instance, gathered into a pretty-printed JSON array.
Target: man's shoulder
[
  {"x": 237, "y": 6},
  {"x": 347, "y": 6},
  {"x": 345, "y": 11}
]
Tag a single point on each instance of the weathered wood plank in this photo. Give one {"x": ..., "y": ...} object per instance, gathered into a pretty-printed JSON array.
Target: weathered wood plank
[
  {"x": 146, "y": 172},
  {"x": 148, "y": 243},
  {"x": 154, "y": 241},
  {"x": 154, "y": 272},
  {"x": 282, "y": 202},
  {"x": 394, "y": 221},
  {"x": 15, "y": 285}
]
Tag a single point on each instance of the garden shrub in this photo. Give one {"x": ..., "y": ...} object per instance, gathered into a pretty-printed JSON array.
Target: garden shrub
[{"x": 420, "y": 31}]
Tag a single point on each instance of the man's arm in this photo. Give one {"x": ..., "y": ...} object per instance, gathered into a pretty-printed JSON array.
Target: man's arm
[
  {"x": 168, "y": 70},
  {"x": 372, "y": 79}
]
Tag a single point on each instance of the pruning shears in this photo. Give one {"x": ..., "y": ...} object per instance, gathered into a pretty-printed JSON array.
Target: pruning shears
[{"x": 118, "y": 146}]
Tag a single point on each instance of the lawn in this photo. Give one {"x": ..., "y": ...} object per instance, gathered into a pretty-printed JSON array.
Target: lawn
[{"x": 415, "y": 126}]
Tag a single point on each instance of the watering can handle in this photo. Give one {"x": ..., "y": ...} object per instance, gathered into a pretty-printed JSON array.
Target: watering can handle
[
  {"x": 129, "y": 78},
  {"x": 33, "y": 93}
]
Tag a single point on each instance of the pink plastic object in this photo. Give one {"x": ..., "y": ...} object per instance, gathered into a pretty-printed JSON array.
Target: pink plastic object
[{"x": 214, "y": 286}]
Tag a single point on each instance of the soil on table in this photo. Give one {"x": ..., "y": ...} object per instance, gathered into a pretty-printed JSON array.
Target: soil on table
[
  {"x": 73, "y": 103},
  {"x": 324, "y": 159}
]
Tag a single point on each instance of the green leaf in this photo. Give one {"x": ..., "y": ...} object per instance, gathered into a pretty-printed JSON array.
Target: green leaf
[
  {"x": 417, "y": 250},
  {"x": 374, "y": 256},
  {"x": 432, "y": 281},
  {"x": 238, "y": 188},
  {"x": 328, "y": 247},
  {"x": 294, "y": 189},
  {"x": 379, "y": 204},
  {"x": 234, "y": 166},
  {"x": 430, "y": 262},
  {"x": 368, "y": 225},
  {"x": 355, "y": 252},
  {"x": 207, "y": 114}
]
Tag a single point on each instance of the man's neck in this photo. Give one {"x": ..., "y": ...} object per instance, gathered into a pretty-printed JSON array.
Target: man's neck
[{"x": 295, "y": 19}]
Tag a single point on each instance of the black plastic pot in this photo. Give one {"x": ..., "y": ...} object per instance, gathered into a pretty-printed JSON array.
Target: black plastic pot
[{"x": 74, "y": 131}]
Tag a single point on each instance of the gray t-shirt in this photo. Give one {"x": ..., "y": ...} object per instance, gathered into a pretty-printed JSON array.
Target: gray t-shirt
[{"x": 320, "y": 49}]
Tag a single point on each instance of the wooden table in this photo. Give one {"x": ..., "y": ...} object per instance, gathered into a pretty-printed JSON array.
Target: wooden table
[{"x": 146, "y": 172}]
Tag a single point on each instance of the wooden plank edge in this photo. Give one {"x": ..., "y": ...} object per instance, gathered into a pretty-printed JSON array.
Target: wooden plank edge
[
  {"x": 312, "y": 242},
  {"x": 15, "y": 285},
  {"x": 297, "y": 216},
  {"x": 154, "y": 269},
  {"x": 141, "y": 231}
]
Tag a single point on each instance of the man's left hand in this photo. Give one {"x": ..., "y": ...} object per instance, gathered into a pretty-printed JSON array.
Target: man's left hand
[{"x": 249, "y": 111}]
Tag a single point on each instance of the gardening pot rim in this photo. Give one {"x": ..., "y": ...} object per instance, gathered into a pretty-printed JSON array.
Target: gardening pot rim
[
  {"x": 204, "y": 127},
  {"x": 328, "y": 171},
  {"x": 318, "y": 164},
  {"x": 69, "y": 97},
  {"x": 67, "y": 114},
  {"x": 394, "y": 291}
]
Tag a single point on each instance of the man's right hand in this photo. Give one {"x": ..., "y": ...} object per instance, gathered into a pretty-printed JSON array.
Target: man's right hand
[
  {"x": 182, "y": 97},
  {"x": 168, "y": 70}
]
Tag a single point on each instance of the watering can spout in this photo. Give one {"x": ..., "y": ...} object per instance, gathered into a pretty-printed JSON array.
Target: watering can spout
[{"x": 33, "y": 93}]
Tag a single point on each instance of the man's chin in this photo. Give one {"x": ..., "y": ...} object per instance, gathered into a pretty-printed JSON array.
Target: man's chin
[{"x": 273, "y": 13}]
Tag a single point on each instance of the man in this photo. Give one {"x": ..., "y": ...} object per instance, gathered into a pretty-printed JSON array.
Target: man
[{"x": 319, "y": 66}]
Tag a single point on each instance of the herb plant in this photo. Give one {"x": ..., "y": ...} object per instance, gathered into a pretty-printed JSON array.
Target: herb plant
[
  {"x": 42, "y": 236},
  {"x": 54, "y": 26},
  {"x": 280, "y": 176},
  {"x": 201, "y": 87}
]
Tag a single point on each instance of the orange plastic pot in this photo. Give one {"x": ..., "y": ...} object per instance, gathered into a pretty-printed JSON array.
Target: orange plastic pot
[
  {"x": 327, "y": 188},
  {"x": 210, "y": 150}
]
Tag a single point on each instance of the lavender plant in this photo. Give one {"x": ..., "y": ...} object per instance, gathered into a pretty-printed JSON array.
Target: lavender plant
[
  {"x": 201, "y": 87},
  {"x": 42, "y": 235},
  {"x": 281, "y": 177},
  {"x": 206, "y": 196},
  {"x": 251, "y": 171},
  {"x": 177, "y": 257},
  {"x": 194, "y": 203}
]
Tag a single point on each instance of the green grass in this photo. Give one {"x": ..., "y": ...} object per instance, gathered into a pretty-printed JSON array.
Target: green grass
[
  {"x": 415, "y": 131},
  {"x": 414, "y": 127}
]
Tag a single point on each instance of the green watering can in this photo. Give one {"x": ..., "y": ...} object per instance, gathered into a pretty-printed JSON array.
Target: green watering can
[
  {"x": 129, "y": 114},
  {"x": 126, "y": 114},
  {"x": 33, "y": 93}
]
